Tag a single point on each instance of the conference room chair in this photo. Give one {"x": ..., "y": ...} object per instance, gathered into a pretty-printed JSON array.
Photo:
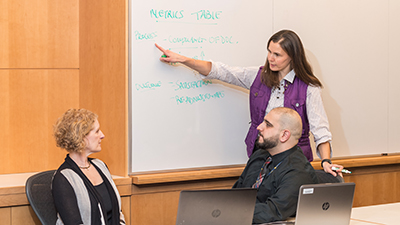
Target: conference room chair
[
  {"x": 327, "y": 177},
  {"x": 38, "y": 192}
]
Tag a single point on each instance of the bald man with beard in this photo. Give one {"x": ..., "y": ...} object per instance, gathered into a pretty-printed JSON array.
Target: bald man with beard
[{"x": 278, "y": 168}]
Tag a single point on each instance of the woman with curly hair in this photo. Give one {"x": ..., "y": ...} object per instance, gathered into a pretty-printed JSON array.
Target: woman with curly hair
[{"x": 83, "y": 189}]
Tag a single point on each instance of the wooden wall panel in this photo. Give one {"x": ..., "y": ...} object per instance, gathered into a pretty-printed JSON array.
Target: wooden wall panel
[
  {"x": 39, "y": 34},
  {"x": 31, "y": 101},
  {"x": 126, "y": 208},
  {"x": 375, "y": 184},
  {"x": 5, "y": 216},
  {"x": 104, "y": 75},
  {"x": 4, "y": 120},
  {"x": 24, "y": 215},
  {"x": 158, "y": 208},
  {"x": 162, "y": 199}
]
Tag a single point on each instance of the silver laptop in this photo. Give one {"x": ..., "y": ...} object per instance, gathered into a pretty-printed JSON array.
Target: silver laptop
[
  {"x": 216, "y": 207},
  {"x": 325, "y": 204},
  {"x": 329, "y": 203}
]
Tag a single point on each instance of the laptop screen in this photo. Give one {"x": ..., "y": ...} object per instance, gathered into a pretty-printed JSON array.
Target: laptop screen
[
  {"x": 320, "y": 203},
  {"x": 216, "y": 207},
  {"x": 328, "y": 203}
]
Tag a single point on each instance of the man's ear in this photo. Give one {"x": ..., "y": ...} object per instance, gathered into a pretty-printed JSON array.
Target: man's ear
[{"x": 285, "y": 135}]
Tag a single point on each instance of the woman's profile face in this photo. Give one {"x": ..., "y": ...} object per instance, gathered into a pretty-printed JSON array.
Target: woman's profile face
[
  {"x": 93, "y": 139},
  {"x": 279, "y": 60}
]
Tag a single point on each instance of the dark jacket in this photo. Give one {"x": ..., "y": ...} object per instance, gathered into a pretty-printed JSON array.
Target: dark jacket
[{"x": 278, "y": 193}]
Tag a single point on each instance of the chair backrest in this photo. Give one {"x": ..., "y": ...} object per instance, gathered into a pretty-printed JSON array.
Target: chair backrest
[
  {"x": 327, "y": 177},
  {"x": 38, "y": 192}
]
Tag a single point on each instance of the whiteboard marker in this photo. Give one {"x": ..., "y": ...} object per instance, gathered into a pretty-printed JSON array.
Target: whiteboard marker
[{"x": 343, "y": 170}]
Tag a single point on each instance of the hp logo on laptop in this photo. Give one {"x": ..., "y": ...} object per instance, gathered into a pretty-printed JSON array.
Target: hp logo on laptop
[
  {"x": 216, "y": 213},
  {"x": 325, "y": 206}
]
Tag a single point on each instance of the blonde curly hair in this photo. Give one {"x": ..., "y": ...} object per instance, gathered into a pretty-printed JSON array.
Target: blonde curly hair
[{"x": 72, "y": 127}]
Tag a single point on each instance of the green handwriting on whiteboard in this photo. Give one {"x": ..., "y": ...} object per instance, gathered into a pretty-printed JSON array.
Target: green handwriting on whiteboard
[
  {"x": 218, "y": 39},
  {"x": 198, "y": 98},
  {"x": 147, "y": 86},
  {"x": 180, "y": 14},
  {"x": 145, "y": 36},
  {"x": 190, "y": 85},
  {"x": 206, "y": 14},
  {"x": 166, "y": 14}
]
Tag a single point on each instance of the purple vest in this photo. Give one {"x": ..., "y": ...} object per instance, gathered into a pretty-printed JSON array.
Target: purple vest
[{"x": 295, "y": 98}]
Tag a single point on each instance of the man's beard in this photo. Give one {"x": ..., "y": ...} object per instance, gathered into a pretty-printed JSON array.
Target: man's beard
[{"x": 268, "y": 143}]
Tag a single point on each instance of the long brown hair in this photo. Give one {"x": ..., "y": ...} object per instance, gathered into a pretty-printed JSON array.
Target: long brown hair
[{"x": 291, "y": 44}]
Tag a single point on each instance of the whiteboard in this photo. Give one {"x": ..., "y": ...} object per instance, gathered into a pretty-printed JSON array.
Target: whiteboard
[
  {"x": 352, "y": 46},
  {"x": 177, "y": 119}
]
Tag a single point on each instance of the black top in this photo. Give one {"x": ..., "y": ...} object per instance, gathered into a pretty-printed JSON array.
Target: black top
[
  {"x": 277, "y": 196},
  {"x": 105, "y": 196}
]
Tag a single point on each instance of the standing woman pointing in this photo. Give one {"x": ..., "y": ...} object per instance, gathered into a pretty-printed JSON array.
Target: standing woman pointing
[{"x": 286, "y": 80}]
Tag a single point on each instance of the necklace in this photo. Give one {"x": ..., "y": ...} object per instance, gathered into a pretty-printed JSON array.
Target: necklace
[
  {"x": 85, "y": 167},
  {"x": 280, "y": 90}
]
